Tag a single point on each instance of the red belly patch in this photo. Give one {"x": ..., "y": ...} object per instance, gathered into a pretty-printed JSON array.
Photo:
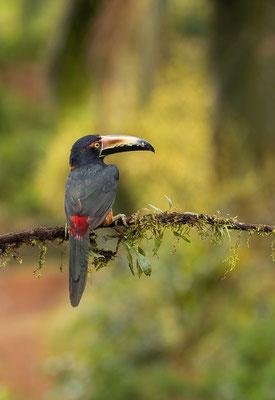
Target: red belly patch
[{"x": 80, "y": 227}]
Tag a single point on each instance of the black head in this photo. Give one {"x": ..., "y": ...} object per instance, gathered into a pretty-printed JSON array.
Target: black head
[
  {"x": 83, "y": 152},
  {"x": 92, "y": 148}
]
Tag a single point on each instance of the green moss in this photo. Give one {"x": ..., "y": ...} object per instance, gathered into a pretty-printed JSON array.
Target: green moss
[
  {"x": 42, "y": 258},
  {"x": 232, "y": 259},
  {"x": 151, "y": 227},
  {"x": 5, "y": 256},
  {"x": 9, "y": 253},
  {"x": 273, "y": 250}
]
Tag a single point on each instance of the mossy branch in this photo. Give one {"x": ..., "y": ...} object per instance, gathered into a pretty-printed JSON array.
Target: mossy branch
[{"x": 139, "y": 226}]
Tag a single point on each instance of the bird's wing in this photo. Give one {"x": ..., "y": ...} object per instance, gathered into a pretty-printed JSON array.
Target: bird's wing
[{"x": 91, "y": 193}]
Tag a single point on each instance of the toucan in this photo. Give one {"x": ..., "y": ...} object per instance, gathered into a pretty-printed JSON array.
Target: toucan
[{"x": 89, "y": 195}]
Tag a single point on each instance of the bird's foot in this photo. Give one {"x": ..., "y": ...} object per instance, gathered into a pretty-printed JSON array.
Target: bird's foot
[{"x": 121, "y": 217}]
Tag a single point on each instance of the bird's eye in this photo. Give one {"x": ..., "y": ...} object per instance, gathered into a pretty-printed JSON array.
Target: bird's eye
[{"x": 96, "y": 145}]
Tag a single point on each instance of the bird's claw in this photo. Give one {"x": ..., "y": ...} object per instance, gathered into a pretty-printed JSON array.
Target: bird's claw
[{"x": 121, "y": 217}]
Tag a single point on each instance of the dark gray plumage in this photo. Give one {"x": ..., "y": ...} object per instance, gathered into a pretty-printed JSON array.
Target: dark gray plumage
[
  {"x": 90, "y": 191},
  {"x": 89, "y": 195}
]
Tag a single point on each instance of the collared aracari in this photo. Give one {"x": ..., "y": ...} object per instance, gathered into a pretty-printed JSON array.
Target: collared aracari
[{"x": 89, "y": 195}]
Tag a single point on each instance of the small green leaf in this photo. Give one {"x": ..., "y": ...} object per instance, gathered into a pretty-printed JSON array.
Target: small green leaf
[
  {"x": 130, "y": 261},
  {"x": 157, "y": 244},
  {"x": 139, "y": 270},
  {"x": 169, "y": 200},
  {"x": 128, "y": 246},
  {"x": 129, "y": 257},
  {"x": 155, "y": 208},
  {"x": 141, "y": 251},
  {"x": 177, "y": 234},
  {"x": 144, "y": 264}
]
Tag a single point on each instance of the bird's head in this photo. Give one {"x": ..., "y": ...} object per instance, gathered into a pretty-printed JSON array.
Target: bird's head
[{"x": 92, "y": 148}]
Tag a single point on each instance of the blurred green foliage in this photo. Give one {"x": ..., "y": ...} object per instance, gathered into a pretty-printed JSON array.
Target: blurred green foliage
[
  {"x": 191, "y": 78},
  {"x": 182, "y": 332},
  {"x": 5, "y": 393}
]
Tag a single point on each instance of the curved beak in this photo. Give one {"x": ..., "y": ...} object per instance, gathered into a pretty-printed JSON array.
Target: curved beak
[{"x": 112, "y": 144}]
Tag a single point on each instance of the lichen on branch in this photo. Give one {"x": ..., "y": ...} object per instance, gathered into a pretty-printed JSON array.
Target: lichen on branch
[{"x": 139, "y": 226}]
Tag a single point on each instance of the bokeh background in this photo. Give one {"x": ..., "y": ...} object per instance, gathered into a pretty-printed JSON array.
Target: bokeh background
[{"x": 196, "y": 79}]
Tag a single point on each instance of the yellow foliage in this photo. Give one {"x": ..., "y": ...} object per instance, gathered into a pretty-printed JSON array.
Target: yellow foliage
[
  {"x": 175, "y": 120},
  {"x": 52, "y": 174}
]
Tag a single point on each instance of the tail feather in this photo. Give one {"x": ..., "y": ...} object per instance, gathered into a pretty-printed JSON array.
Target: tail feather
[{"x": 78, "y": 267}]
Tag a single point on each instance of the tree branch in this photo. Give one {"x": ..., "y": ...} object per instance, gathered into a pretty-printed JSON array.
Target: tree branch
[{"x": 163, "y": 220}]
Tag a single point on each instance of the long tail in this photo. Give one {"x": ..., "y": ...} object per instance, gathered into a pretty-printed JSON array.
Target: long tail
[{"x": 78, "y": 267}]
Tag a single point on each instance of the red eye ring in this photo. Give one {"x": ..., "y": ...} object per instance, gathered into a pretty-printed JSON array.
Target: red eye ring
[{"x": 96, "y": 145}]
